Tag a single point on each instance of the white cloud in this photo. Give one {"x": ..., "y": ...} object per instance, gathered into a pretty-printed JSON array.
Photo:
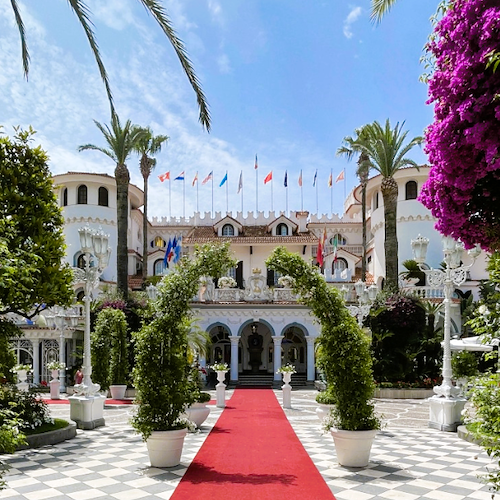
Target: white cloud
[
  {"x": 116, "y": 14},
  {"x": 224, "y": 64},
  {"x": 350, "y": 20}
]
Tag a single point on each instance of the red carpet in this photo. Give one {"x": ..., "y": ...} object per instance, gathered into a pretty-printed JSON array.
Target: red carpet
[{"x": 252, "y": 453}]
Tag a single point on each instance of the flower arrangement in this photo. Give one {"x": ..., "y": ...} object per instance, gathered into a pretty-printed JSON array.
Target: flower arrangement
[
  {"x": 286, "y": 281},
  {"x": 56, "y": 365},
  {"x": 220, "y": 367},
  {"x": 288, "y": 368},
  {"x": 21, "y": 367},
  {"x": 226, "y": 282}
]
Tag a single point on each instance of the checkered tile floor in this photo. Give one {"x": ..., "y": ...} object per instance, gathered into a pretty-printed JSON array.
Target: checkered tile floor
[{"x": 112, "y": 462}]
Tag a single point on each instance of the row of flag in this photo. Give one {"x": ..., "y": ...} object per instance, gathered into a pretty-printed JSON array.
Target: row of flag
[
  {"x": 269, "y": 177},
  {"x": 173, "y": 252}
]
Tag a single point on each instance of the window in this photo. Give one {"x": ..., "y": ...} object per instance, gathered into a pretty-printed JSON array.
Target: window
[
  {"x": 411, "y": 190},
  {"x": 282, "y": 230},
  {"x": 158, "y": 267},
  {"x": 338, "y": 240},
  {"x": 65, "y": 197},
  {"x": 340, "y": 264},
  {"x": 227, "y": 230},
  {"x": 376, "y": 201},
  {"x": 159, "y": 242},
  {"x": 82, "y": 195},
  {"x": 80, "y": 261},
  {"x": 103, "y": 197}
]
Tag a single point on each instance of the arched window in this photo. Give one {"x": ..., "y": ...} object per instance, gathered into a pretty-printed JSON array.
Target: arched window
[
  {"x": 411, "y": 190},
  {"x": 103, "y": 197},
  {"x": 82, "y": 195},
  {"x": 282, "y": 230},
  {"x": 158, "y": 267},
  {"x": 227, "y": 230},
  {"x": 65, "y": 197},
  {"x": 80, "y": 261},
  {"x": 340, "y": 264},
  {"x": 159, "y": 242},
  {"x": 338, "y": 240}
]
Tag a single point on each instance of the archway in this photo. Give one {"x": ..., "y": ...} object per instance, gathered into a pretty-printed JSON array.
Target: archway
[
  {"x": 256, "y": 348},
  {"x": 294, "y": 348}
]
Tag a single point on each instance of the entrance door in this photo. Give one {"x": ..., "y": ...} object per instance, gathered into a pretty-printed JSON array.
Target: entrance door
[{"x": 293, "y": 349}]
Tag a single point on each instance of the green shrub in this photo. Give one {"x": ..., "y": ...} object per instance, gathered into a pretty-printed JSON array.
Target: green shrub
[
  {"x": 464, "y": 364},
  {"x": 325, "y": 398}
]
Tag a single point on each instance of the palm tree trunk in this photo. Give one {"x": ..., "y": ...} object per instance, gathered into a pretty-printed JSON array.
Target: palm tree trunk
[
  {"x": 145, "y": 232},
  {"x": 389, "y": 190},
  {"x": 122, "y": 182},
  {"x": 363, "y": 221}
]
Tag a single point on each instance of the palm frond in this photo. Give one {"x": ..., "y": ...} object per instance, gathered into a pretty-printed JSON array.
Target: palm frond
[
  {"x": 22, "y": 34},
  {"x": 82, "y": 13},
  {"x": 92, "y": 147},
  {"x": 158, "y": 12},
  {"x": 380, "y": 8}
]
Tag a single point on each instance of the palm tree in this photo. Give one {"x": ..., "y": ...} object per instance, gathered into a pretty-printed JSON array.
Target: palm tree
[
  {"x": 157, "y": 11},
  {"x": 121, "y": 141},
  {"x": 380, "y": 8},
  {"x": 147, "y": 146},
  {"x": 386, "y": 152},
  {"x": 362, "y": 172}
]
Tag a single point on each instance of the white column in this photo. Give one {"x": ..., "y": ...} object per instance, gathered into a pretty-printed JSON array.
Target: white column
[
  {"x": 311, "y": 365},
  {"x": 36, "y": 360},
  {"x": 235, "y": 340},
  {"x": 277, "y": 355},
  {"x": 62, "y": 359}
]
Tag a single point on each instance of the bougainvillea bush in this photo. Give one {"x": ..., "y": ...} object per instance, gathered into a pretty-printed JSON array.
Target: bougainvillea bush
[{"x": 463, "y": 189}]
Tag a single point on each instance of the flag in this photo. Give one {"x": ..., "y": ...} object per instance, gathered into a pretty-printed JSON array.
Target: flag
[
  {"x": 330, "y": 181},
  {"x": 171, "y": 253},
  {"x": 223, "y": 180},
  {"x": 177, "y": 250},
  {"x": 340, "y": 177},
  {"x": 164, "y": 177},
  {"x": 319, "y": 254},
  {"x": 207, "y": 178},
  {"x": 315, "y": 177},
  {"x": 195, "y": 180},
  {"x": 335, "y": 248},
  {"x": 256, "y": 164},
  {"x": 285, "y": 182},
  {"x": 180, "y": 177},
  {"x": 300, "y": 179},
  {"x": 167, "y": 251},
  {"x": 240, "y": 183},
  {"x": 269, "y": 177}
]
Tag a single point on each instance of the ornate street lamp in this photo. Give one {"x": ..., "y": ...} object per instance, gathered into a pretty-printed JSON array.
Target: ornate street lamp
[
  {"x": 61, "y": 319},
  {"x": 445, "y": 407},
  {"x": 87, "y": 406}
]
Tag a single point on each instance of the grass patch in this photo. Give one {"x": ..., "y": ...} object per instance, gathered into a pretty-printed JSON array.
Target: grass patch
[{"x": 59, "y": 423}]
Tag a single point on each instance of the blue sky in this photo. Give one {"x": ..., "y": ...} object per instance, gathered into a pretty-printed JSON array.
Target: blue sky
[{"x": 285, "y": 79}]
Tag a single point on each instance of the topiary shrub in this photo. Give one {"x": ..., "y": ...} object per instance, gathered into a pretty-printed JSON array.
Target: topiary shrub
[{"x": 345, "y": 355}]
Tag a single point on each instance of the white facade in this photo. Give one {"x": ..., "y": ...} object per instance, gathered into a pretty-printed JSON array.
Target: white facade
[{"x": 284, "y": 329}]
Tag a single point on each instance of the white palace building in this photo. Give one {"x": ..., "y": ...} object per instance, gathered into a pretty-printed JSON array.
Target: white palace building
[{"x": 259, "y": 325}]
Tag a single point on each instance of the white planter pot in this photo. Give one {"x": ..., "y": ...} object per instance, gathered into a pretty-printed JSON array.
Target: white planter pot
[
  {"x": 221, "y": 376},
  {"x": 353, "y": 447},
  {"x": 165, "y": 447},
  {"x": 54, "y": 374},
  {"x": 322, "y": 411},
  {"x": 198, "y": 413},
  {"x": 287, "y": 377},
  {"x": 117, "y": 391}
]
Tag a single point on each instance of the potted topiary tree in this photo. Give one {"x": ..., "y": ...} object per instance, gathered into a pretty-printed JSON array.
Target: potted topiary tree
[
  {"x": 162, "y": 368},
  {"x": 344, "y": 358},
  {"x": 464, "y": 366}
]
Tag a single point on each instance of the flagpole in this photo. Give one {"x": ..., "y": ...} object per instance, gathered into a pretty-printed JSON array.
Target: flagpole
[
  {"x": 286, "y": 197},
  {"x": 344, "y": 184},
  {"x": 272, "y": 197},
  {"x": 212, "y": 195},
  {"x": 331, "y": 191},
  {"x": 301, "y": 193},
  {"x": 197, "y": 205},
  {"x": 256, "y": 187},
  {"x": 184, "y": 196},
  {"x": 242, "y": 199},
  {"x": 169, "y": 198},
  {"x": 317, "y": 211},
  {"x": 227, "y": 195}
]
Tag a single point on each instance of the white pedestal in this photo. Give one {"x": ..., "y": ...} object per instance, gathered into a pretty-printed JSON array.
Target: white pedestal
[
  {"x": 445, "y": 414},
  {"x": 55, "y": 387},
  {"x": 287, "y": 396},
  {"x": 221, "y": 395},
  {"x": 87, "y": 411}
]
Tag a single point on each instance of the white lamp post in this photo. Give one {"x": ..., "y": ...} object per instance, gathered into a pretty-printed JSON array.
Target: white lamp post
[
  {"x": 61, "y": 319},
  {"x": 87, "y": 405},
  {"x": 366, "y": 297},
  {"x": 445, "y": 407}
]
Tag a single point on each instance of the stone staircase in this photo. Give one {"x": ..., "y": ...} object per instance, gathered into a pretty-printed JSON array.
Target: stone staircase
[{"x": 267, "y": 380}]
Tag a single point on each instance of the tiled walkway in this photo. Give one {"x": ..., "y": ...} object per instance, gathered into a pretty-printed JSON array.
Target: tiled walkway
[{"x": 408, "y": 460}]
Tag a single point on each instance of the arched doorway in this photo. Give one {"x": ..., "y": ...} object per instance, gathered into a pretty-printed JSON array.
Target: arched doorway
[
  {"x": 220, "y": 350},
  {"x": 294, "y": 349},
  {"x": 256, "y": 349}
]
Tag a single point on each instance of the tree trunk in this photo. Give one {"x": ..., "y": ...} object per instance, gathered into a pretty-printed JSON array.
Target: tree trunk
[
  {"x": 389, "y": 190},
  {"x": 122, "y": 182},
  {"x": 145, "y": 232}
]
